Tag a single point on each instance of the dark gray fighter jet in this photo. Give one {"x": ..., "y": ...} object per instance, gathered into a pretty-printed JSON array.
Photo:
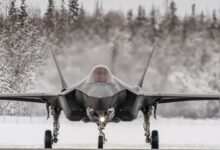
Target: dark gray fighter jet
[{"x": 102, "y": 98}]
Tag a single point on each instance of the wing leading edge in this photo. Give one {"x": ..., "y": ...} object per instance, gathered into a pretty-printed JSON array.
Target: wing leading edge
[
  {"x": 31, "y": 97},
  {"x": 170, "y": 98}
]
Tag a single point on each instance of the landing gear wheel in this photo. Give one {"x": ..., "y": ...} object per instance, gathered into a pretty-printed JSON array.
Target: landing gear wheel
[
  {"x": 100, "y": 142},
  {"x": 48, "y": 141},
  {"x": 154, "y": 140}
]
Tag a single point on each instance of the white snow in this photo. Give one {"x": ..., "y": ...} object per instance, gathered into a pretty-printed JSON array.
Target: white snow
[{"x": 26, "y": 132}]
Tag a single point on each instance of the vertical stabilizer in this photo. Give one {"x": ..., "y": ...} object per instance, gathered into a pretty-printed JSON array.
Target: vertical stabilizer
[
  {"x": 63, "y": 83},
  {"x": 140, "y": 83}
]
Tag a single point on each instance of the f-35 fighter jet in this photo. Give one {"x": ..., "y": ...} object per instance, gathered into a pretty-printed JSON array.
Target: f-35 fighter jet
[{"x": 103, "y": 98}]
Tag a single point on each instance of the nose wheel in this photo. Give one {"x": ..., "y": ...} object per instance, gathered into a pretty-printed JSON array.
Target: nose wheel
[
  {"x": 100, "y": 141},
  {"x": 101, "y": 138}
]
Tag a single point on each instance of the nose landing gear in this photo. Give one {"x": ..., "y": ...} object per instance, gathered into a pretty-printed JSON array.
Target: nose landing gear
[
  {"x": 101, "y": 118},
  {"x": 101, "y": 138}
]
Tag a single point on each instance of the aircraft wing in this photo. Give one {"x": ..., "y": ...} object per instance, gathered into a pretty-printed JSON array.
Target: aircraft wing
[
  {"x": 31, "y": 97},
  {"x": 170, "y": 98}
]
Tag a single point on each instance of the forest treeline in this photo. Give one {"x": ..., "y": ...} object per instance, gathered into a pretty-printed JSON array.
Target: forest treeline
[{"x": 187, "y": 58}]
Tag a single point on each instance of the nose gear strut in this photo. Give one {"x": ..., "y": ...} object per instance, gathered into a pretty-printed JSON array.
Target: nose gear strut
[
  {"x": 101, "y": 127},
  {"x": 101, "y": 139},
  {"x": 101, "y": 119}
]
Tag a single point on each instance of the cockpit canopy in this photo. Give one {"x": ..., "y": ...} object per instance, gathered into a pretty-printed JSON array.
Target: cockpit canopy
[{"x": 100, "y": 74}]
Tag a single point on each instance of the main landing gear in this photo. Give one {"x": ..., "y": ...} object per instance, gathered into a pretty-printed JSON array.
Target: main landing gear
[
  {"x": 152, "y": 138},
  {"x": 49, "y": 139},
  {"x": 102, "y": 120}
]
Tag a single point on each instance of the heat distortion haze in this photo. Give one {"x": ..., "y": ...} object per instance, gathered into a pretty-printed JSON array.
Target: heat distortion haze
[{"x": 108, "y": 67}]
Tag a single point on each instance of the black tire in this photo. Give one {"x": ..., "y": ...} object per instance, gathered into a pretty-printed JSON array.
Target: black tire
[
  {"x": 154, "y": 139},
  {"x": 48, "y": 139},
  {"x": 100, "y": 142}
]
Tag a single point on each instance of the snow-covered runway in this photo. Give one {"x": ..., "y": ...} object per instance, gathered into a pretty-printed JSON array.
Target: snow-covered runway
[{"x": 26, "y": 132}]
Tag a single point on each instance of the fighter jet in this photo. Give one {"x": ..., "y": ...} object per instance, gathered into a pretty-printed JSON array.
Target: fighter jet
[{"x": 102, "y": 98}]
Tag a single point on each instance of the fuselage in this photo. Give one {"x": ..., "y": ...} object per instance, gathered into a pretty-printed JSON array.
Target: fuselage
[{"x": 101, "y": 94}]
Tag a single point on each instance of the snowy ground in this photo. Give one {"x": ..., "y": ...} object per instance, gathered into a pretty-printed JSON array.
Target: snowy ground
[{"x": 28, "y": 132}]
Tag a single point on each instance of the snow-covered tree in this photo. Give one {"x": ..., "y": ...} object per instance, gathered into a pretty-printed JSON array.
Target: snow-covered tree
[
  {"x": 173, "y": 17},
  {"x": 21, "y": 50},
  {"x": 130, "y": 15},
  {"x": 82, "y": 12},
  {"x": 49, "y": 22},
  {"x": 12, "y": 14},
  {"x": 141, "y": 17},
  {"x": 73, "y": 10},
  {"x": 23, "y": 13}
]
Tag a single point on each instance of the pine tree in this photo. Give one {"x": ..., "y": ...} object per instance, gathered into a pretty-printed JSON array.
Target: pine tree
[
  {"x": 49, "y": 18},
  {"x": 12, "y": 14},
  {"x": 73, "y": 10},
  {"x": 1, "y": 23},
  {"x": 12, "y": 8},
  {"x": 23, "y": 13},
  {"x": 153, "y": 20},
  {"x": 98, "y": 15},
  {"x": 63, "y": 14},
  {"x": 166, "y": 7},
  {"x": 141, "y": 15},
  {"x": 201, "y": 25},
  {"x": 130, "y": 16},
  {"x": 214, "y": 18},
  {"x": 202, "y": 17},
  {"x": 184, "y": 31},
  {"x": 61, "y": 23},
  {"x": 173, "y": 8},
  {"x": 174, "y": 18},
  {"x": 193, "y": 10},
  {"x": 63, "y": 9},
  {"x": 131, "y": 23},
  {"x": 82, "y": 12},
  {"x": 214, "y": 25},
  {"x": 153, "y": 23},
  {"x": 192, "y": 22}
]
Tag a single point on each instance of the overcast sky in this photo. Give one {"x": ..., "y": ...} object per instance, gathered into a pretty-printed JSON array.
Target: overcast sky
[{"x": 183, "y": 6}]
